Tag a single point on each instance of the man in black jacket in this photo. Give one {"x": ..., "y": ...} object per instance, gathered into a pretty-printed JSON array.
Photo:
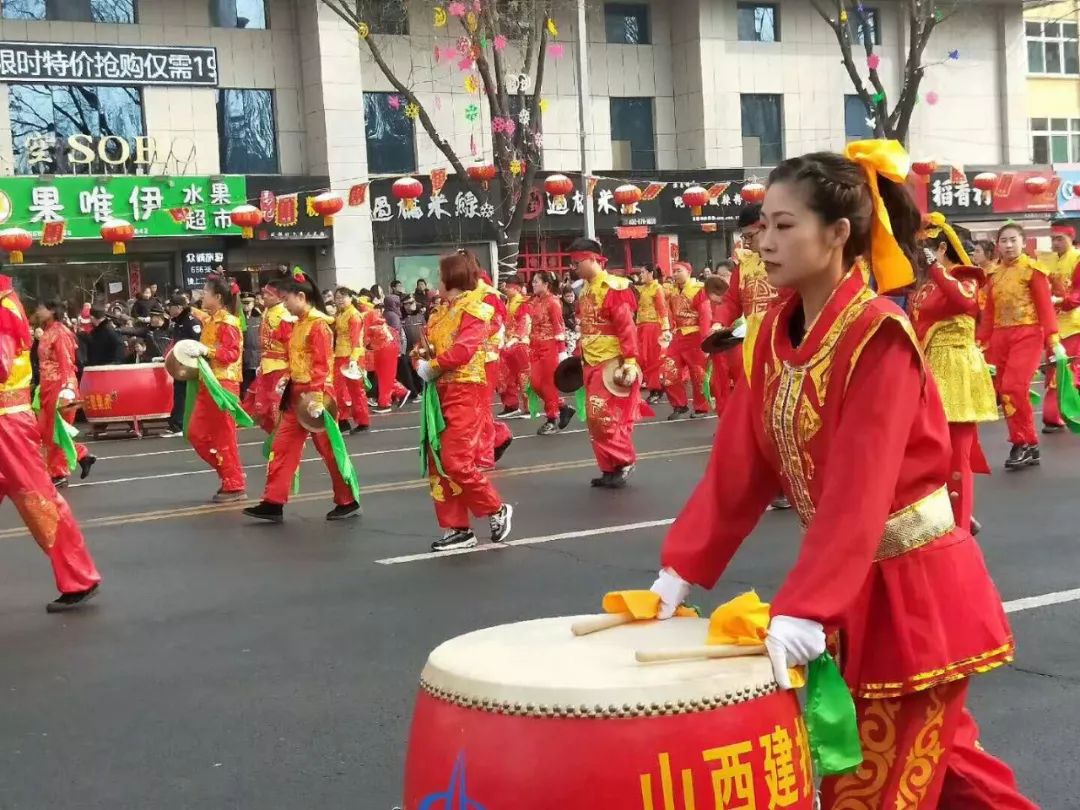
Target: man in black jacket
[
  {"x": 104, "y": 345},
  {"x": 185, "y": 326}
]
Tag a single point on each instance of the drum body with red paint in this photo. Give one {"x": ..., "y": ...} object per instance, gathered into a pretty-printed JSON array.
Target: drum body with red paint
[{"x": 126, "y": 393}]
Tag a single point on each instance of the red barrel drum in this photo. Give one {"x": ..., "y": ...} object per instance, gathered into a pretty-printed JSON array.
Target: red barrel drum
[
  {"x": 529, "y": 717},
  {"x": 127, "y": 393}
]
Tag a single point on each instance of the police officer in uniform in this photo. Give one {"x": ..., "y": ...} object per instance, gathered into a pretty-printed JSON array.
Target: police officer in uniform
[{"x": 184, "y": 326}]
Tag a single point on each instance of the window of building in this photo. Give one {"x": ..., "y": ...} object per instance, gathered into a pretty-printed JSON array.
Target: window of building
[
  {"x": 1052, "y": 48},
  {"x": 248, "y": 132},
  {"x": 633, "y": 143},
  {"x": 627, "y": 23},
  {"x": 44, "y": 117},
  {"x": 762, "y": 129},
  {"x": 856, "y": 125},
  {"x": 758, "y": 22},
  {"x": 100, "y": 11},
  {"x": 391, "y": 138},
  {"x": 1055, "y": 140},
  {"x": 239, "y": 14},
  {"x": 385, "y": 16},
  {"x": 868, "y": 32}
]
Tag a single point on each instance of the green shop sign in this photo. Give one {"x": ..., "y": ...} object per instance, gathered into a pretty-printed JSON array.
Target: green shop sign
[{"x": 155, "y": 206}]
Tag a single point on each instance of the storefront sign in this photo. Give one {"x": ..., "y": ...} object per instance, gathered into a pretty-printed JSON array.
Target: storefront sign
[
  {"x": 198, "y": 265},
  {"x": 1010, "y": 196},
  {"x": 61, "y": 63},
  {"x": 1068, "y": 196},
  {"x": 286, "y": 203},
  {"x": 155, "y": 206},
  {"x": 42, "y": 150}
]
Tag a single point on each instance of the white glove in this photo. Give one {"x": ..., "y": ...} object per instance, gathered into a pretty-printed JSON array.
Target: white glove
[
  {"x": 200, "y": 350},
  {"x": 282, "y": 384},
  {"x": 672, "y": 590},
  {"x": 740, "y": 330},
  {"x": 354, "y": 371},
  {"x": 288, "y": 317},
  {"x": 67, "y": 395},
  {"x": 563, "y": 356},
  {"x": 1060, "y": 353},
  {"x": 426, "y": 372},
  {"x": 792, "y": 642},
  {"x": 315, "y": 410}
]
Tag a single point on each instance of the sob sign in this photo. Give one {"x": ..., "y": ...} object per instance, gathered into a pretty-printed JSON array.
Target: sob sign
[{"x": 84, "y": 150}]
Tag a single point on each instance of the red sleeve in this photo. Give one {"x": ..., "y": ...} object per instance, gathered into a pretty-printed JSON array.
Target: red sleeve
[
  {"x": 960, "y": 294},
  {"x": 65, "y": 349},
  {"x": 660, "y": 304},
  {"x": 730, "y": 309},
  {"x": 986, "y": 318},
  {"x": 838, "y": 549},
  {"x": 471, "y": 335},
  {"x": 229, "y": 344},
  {"x": 1072, "y": 298},
  {"x": 321, "y": 346},
  {"x": 724, "y": 507},
  {"x": 8, "y": 353},
  {"x": 704, "y": 310},
  {"x": 620, "y": 305},
  {"x": 283, "y": 331},
  {"x": 558, "y": 326},
  {"x": 1040, "y": 294}
]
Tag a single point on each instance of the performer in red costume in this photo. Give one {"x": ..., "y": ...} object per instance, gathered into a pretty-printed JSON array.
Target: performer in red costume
[
  {"x": 263, "y": 400},
  {"x": 382, "y": 343},
  {"x": 691, "y": 317},
  {"x": 1017, "y": 322},
  {"x": 455, "y": 361},
  {"x": 495, "y": 437},
  {"x": 1064, "y": 267},
  {"x": 547, "y": 348},
  {"x": 883, "y": 571},
  {"x": 23, "y": 477},
  {"x": 514, "y": 374},
  {"x": 654, "y": 331},
  {"x": 608, "y": 342},
  {"x": 349, "y": 371},
  {"x": 727, "y": 365},
  {"x": 57, "y": 348},
  {"x": 310, "y": 350},
  {"x": 211, "y": 431}
]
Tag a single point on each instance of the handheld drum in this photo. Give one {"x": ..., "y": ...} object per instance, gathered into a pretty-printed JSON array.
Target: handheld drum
[
  {"x": 182, "y": 361},
  {"x": 530, "y": 717}
]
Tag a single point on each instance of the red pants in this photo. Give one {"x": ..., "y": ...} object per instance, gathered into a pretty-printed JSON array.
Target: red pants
[
  {"x": 285, "y": 456},
  {"x": 514, "y": 376},
  {"x": 922, "y": 753},
  {"x": 725, "y": 373},
  {"x": 24, "y": 479},
  {"x": 386, "y": 374},
  {"x": 649, "y": 354},
  {"x": 967, "y": 459},
  {"x": 610, "y": 421},
  {"x": 213, "y": 436},
  {"x": 464, "y": 488},
  {"x": 1051, "y": 408},
  {"x": 263, "y": 400},
  {"x": 493, "y": 433},
  {"x": 685, "y": 353},
  {"x": 543, "y": 360},
  {"x": 351, "y": 395},
  {"x": 55, "y": 460},
  {"x": 1016, "y": 352}
]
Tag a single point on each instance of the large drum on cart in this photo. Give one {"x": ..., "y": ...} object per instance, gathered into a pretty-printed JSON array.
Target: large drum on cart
[
  {"x": 530, "y": 717},
  {"x": 126, "y": 393}
]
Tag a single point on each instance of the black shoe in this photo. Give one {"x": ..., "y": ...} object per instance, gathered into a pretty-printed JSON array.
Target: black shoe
[
  {"x": 502, "y": 448},
  {"x": 509, "y": 413},
  {"x": 456, "y": 538},
  {"x": 699, "y": 414},
  {"x": 360, "y": 429},
  {"x": 780, "y": 503},
  {"x": 618, "y": 479},
  {"x": 566, "y": 413},
  {"x": 500, "y": 523},
  {"x": 85, "y": 464},
  {"x": 1048, "y": 429},
  {"x": 1019, "y": 457},
  {"x": 678, "y": 413},
  {"x": 273, "y": 512},
  {"x": 343, "y": 425},
  {"x": 603, "y": 482},
  {"x": 654, "y": 397},
  {"x": 404, "y": 400},
  {"x": 72, "y": 601},
  {"x": 378, "y": 409},
  {"x": 1035, "y": 455},
  {"x": 347, "y": 511},
  {"x": 976, "y": 527},
  {"x": 548, "y": 428},
  {"x": 60, "y": 481}
]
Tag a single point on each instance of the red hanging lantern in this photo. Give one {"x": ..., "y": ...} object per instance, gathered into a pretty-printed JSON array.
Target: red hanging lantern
[
  {"x": 559, "y": 186},
  {"x": 1036, "y": 185},
  {"x": 119, "y": 232},
  {"x": 628, "y": 196},
  {"x": 246, "y": 217},
  {"x": 753, "y": 192},
  {"x": 326, "y": 205},
  {"x": 984, "y": 181},
  {"x": 696, "y": 197},
  {"x": 924, "y": 168},
  {"x": 15, "y": 241},
  {"x": 408, "y": 190},
  {"x": 483, "y": 173}
]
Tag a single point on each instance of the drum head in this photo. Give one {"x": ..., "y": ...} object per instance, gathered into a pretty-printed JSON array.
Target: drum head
[
  {"x": 307, "y": 422},
  {"x": 720, "y": 341},
  {"x": 542, "y": 663},
  {"x": 181, "y": 362},
  {"x": 569, "y": 375}
]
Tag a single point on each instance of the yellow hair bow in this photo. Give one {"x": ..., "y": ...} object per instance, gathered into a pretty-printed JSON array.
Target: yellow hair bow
[
  {"x": 885, "y": 158},
  {"x": 937, "y": 219}
]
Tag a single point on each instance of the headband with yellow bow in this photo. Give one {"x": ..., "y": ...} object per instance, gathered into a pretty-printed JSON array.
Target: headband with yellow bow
[
  {"x": 884, "y": 158},
  {"x": 941, "y": 226}
]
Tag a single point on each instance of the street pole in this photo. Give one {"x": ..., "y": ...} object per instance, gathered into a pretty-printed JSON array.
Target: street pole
[{"x": 584, "y": 117}]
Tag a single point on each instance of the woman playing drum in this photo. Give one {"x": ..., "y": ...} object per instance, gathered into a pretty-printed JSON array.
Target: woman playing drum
[{"x": 839, "y": 410}]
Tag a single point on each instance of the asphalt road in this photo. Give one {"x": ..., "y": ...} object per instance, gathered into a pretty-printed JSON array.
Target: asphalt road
[{"x": 228, "y": 664}]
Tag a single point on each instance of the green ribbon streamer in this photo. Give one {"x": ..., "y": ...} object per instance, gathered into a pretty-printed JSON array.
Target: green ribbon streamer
[
  {"x": 367, "y": 382},
  {"x": 831, "y": 725},
  {"x": 432, "y": 424},
  {"x": 579, "y": 400},
  {"x": 706, "y": 384},
  {"x": 62, "y": 439},
  {"x": 35, "y": 403},
  {"x": 536, "y": 405},
  {"x": 341, "y": 454},
  {"x": 1068, "y": 396},
  {"x": 1035, "y": 397}
]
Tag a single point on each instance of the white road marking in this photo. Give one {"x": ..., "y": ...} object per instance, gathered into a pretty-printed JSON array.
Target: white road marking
[{"x": 1030, "y": 602}]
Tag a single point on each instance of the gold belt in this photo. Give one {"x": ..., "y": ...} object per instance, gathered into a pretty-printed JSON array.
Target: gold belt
[{"x": 916, "y": 525}]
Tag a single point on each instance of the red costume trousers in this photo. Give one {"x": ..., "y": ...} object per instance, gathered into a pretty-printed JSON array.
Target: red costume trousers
[
  {"x": 263, "y": 400},
  {"x": 724, "y": 376},
  {"x": 288, "y": 447},
  {"x": 463, "y": 488},
  {"x": 55, "y": 460},
  {"x": 610, "y": 421},
  {"x": 351, "y": 395},
  {"x": 212, "y": 434},
  {"x": 544, "y": 359},
  {"x": 24, "y": 479},
  {"x": 922, "y": 753},
  {"x": 386, "y": 374},
  {"x": 493, "y": 433},
  {"x": 1051, "y": 409},
  {"x": 649, "y": 354},
  {"x": 1016, "y": 351},
  {"x": 685, "y": 354},
  {"x": 967, "y": 459},
  {"x": 514, "y": 376}
]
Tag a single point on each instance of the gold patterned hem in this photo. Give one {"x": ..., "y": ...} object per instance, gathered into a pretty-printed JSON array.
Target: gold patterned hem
[{"x": 977, "y": 664}]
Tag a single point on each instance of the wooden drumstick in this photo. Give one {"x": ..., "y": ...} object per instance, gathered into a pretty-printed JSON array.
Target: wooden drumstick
[
  {"x": 691, "y": 653},
  {"x": 605, "y": 621}
]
